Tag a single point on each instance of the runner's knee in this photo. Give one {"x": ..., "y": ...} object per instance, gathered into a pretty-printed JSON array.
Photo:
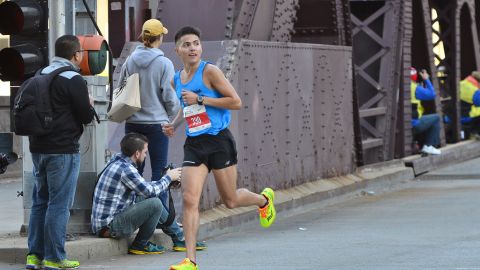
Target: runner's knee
[{"x": 190, "y": 200}]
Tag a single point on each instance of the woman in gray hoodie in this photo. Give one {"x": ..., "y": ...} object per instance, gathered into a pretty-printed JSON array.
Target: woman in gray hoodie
[{"x": 158, "y": 99}]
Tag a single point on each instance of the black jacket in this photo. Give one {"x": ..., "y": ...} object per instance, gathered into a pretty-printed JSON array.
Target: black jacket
[{"x": 71, "y": 106}]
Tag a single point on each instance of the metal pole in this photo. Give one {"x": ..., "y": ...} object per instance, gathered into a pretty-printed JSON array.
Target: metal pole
[
  {"x": 70, "y": 17},
  {"x": 56, "y": 15}
]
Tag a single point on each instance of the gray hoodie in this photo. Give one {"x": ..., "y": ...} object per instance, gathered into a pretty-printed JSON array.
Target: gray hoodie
[{"x": 158, "y": 98}]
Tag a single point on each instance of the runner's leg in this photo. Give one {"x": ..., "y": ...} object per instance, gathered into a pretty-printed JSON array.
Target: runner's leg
[
  {"x": 193, "y": 179},
  {"x": 226, "y": 180}
]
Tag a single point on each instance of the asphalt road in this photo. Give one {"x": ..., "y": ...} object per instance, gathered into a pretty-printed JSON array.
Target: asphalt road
[{"x": 430, "y": 224}]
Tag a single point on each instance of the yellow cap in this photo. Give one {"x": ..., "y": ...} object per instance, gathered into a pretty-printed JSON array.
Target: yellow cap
[{"x": 153, "y": 27}]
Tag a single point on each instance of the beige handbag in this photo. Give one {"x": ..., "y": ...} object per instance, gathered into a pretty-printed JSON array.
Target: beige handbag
[{"x": 126, "y": 99}]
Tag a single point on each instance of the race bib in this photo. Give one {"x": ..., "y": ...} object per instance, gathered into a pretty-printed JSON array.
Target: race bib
[{"x": 196, "y": 117}]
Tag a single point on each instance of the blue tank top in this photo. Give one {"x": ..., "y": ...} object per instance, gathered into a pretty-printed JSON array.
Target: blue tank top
[{"x": 219, "y": 117}]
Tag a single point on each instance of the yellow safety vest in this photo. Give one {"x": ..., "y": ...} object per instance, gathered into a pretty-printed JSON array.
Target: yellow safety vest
[
  {"x": 415, "y": 102},
  {"x": 468, "y": 87}
]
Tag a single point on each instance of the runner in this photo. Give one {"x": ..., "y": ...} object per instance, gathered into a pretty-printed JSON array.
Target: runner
[{"x": 207, "y": 97}]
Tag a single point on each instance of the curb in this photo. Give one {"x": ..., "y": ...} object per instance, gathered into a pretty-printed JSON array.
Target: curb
[{"x": 453, "y": 153}]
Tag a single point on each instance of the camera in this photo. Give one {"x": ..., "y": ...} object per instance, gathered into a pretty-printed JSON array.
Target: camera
[
  {"x": 173, "y": 184},
  {"x": 7, "y": 159}
]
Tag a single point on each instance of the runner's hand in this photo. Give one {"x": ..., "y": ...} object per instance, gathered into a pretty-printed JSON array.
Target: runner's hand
[
  {"x": 189, "y": 98},
  {"x": 175, "y": 174}
]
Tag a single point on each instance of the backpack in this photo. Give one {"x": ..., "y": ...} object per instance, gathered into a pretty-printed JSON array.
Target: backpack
[{"x": 32, "y": 109}]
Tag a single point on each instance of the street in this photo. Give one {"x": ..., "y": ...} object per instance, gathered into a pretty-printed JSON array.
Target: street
[{"x": 430, "y": 224}]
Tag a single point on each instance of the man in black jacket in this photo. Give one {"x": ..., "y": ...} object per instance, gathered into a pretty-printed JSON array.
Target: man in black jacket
[{"x": 56, "y": 160}]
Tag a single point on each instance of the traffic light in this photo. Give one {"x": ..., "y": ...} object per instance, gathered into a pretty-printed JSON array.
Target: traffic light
[
  {"x": 26, "y": 21},
  {"x": 94, "y": 54}
]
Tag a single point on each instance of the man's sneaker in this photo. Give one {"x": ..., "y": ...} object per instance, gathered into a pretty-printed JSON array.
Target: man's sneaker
[
  {"x": 429, "y": 149},
  {"x": 33, "y": 262},
  {"x": 63, "y": 264},
  {"x": 186, "y": 264},
  {"x": 150, "y": 248},
  {"x": 180, "y": 246},
  {"x": 267, "y": 213}
]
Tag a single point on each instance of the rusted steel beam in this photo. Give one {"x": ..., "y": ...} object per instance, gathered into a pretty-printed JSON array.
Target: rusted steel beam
[
  {"x": 213, "y": 17},
  {"x": 404, "y": 137},
  {"x": 377, "y": 31},
  {"x": 446, "y": 11},
  {"x": 323, "y": 22},
  {"x": 284, "y": 17},
  {"x": 243, "y": 19},
  {"x": 468, "y": 56},
  {"x": 262, "y": 24}
]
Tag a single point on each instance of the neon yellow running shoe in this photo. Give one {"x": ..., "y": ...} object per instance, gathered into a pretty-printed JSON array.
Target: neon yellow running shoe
[
  {"x": 63, "y": 264},
  {"x": 186, "y": 264},
  {"x": 33, "y": 262},
  {"x": 267, "y": 213}
]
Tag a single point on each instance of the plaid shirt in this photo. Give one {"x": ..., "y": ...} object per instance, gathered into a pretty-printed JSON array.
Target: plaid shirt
[{"x": 117, "y": 189}]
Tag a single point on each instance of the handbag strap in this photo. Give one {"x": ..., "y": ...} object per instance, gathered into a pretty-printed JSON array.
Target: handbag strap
[
  {"x": 126, "y": 68},
  {"x": 122, "y": 84}
]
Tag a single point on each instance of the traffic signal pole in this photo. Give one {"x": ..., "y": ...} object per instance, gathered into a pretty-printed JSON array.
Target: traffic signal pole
[{"x": 58, "y": 18}]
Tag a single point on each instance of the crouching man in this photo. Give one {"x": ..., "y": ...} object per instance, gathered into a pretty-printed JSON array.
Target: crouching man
[{"x": 117, "y": 212}]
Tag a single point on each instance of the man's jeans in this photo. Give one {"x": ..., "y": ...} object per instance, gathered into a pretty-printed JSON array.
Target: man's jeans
[
  {"x": 429, "y": 124},
  {"x": 53, "y": 193},
  {"x": 157, "y": 150},
  {"x": 145, "y": 214}
]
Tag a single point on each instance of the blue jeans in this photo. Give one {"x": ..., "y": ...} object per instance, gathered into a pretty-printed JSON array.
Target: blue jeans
[
  {"x": 429, "y": 125},
  {"x": 56, "y": 178},
  {"x": 144, "y": 215},
  {"x": 157, "y": 149}
]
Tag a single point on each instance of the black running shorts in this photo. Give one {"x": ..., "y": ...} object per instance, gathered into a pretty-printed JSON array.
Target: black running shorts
[{"x": 215, "y": 151}]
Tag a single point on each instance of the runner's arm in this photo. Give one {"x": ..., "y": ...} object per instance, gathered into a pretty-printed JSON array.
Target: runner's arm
[{"x": 215, "y": 79}]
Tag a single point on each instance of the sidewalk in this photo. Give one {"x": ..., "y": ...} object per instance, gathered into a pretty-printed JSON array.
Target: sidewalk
[
  {"x": 368, "y": 180},
  {"x": 11, "y": 207}
]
